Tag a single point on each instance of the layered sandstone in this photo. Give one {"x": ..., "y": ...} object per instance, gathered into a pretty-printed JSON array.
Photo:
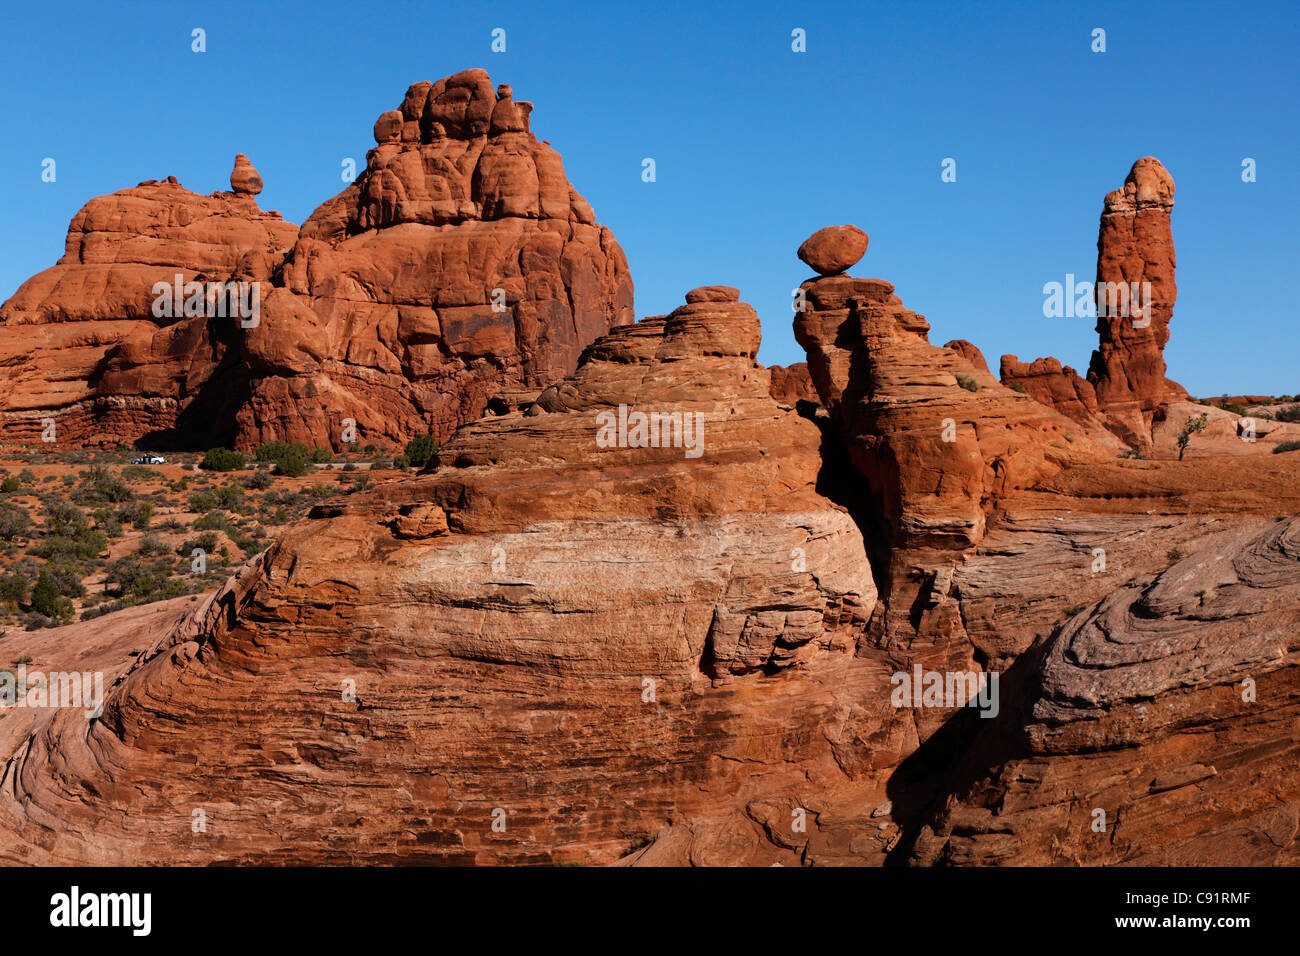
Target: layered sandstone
[
  {"x": 511, "y": 622},
  {"x": 460, "y": 262}
]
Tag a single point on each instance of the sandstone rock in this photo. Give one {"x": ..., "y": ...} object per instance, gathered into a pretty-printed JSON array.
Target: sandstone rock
[
  {"x": 244, "y": 179},
  {"x": 514, "y": 619},
  {"x": 1046, "y": 381},
  {"x": 1135, "y": 250},
  {"x": 834, "y": 249},
  {"x": 460, "y": 263}
]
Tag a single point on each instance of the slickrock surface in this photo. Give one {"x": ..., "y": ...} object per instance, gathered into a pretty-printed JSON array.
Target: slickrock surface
[
  {"x": 504, "y": 618},
  {"x": 460, "y": 262},
  {"x": 1170, "y": 706}
]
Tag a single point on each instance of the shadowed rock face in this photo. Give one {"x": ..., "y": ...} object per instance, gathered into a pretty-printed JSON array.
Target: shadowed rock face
[{"x": 459, "y": 263}]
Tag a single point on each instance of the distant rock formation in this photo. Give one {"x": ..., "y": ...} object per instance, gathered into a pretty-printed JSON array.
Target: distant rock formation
[
  {"x": 1135, "y": 250},
  {"x": 459, "y": 263}
]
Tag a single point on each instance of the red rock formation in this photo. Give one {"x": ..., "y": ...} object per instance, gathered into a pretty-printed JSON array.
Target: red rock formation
[
  {"x": 512, "y": 622},
  {"x": 970, "y": 353},
  {"x": 793, "y": 384},
  {"x": 1135, "y": 252},
  {"x": 459, "y": 263},
  {"x": 1044, "y": 380},
  {"x": 834, "y": 249}
]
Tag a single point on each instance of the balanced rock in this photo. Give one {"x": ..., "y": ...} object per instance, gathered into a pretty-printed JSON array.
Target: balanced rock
[
  {"x": 244, "y": 178},
  {"x": 834, "y": 249}
]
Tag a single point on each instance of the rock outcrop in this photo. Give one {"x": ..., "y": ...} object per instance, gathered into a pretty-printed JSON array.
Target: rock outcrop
[
  {"x": 460, "y": 262},
  {"x": 565, "y": 581},
  {"x": 1046, "y": 381},
  {"x": 1135, "y": 293}
]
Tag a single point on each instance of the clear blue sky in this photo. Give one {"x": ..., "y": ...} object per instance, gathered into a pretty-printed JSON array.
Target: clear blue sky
[{"x": 755, "y": 145}]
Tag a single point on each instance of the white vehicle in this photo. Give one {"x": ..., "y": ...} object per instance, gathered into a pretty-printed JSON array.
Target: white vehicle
[{"x": 149, "y": 460}]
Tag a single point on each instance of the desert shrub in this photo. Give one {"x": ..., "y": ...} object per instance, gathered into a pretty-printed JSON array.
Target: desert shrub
[
  {"x": 420, "y": 449},
  {"x": 259, "y": 480},
  {"x": 138, "y": 473},
  {"x": 63, "y": 517},
  {"x": 206, "y": 542},
  {"x": 319, "y": 490},
  {"x": 320, "y": 456},
  {"x": 215, "y": 521},
  {"x": 1235, "y": 407},
  {"x": 222, "y": 459},
  {"x": 14, "y": 522},
  {"x": 101, "y": 485},
  {"x": 1174, "y": 555},
  {"x": 135, "y": 582},
  {"x": 1287, "y": 446},
  {"x": 47, "y": 600},
  {"x": 151, "y": 544},
  {"x": 1017, "y": 387},
  {"x": 201, "y": 502},
  {"x": 27, "y": 477},
  {"x": 180, "y": 484},
  {"x": 1190, "y": 427},
  {"x": 290, "y": 458},
  {"x": 968, "y": 383},
  {"x": 402, "y": 463},
  {"x": 67, "y": 578},
  {"x": 1288, "y": 415},
  {"x": 137, "y": 514},
  {"x": 230, "y": 497},
  {"x": 10, "y": 484},
  {"x": 13, "y": 591},
  {"x": 107, "y": 521}
]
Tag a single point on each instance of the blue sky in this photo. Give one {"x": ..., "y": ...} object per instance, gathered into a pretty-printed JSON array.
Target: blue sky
[{"x": 755, "y": 145}]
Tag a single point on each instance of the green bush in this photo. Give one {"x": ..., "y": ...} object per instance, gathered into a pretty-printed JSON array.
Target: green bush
[
  {"x": 1017, "y": 387},
  {"x": 402, "y": 463},
  {"x": 1288, "y": 415},
  {"x": 222, "y": 459},
  {"x": 10, "y": 484},
  {"x": 1287, "y": 446},
  {"x": 1235, "y": 407},
  {"x": 968, "y": 383},
  {"x": 321, "y": 456},
  {"x": 47, "y": 600},
  {"x": 420, "y": 449},
  {"x": 201, "y": 502}
]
